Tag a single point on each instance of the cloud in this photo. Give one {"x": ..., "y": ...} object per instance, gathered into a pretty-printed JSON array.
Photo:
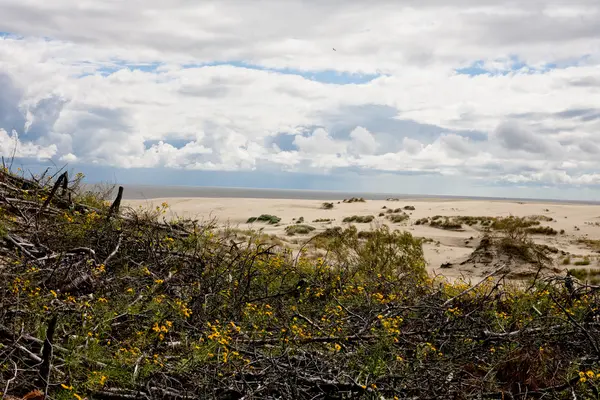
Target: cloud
[
  {"x": 490, "y": 91},
  {"x": 512, "y": 136}
]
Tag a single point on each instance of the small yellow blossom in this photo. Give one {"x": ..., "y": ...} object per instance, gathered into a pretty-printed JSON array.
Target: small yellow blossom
[{"x": 590, "y": 374}]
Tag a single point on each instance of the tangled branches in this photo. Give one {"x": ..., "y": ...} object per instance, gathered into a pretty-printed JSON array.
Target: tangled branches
[{"x": 127, "y": 305}]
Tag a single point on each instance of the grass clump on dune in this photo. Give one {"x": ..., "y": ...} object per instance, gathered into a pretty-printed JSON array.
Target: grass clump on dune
[
  {"x": 269, "y": 219},
  {"x": 355, "y": 200},
  {"x": 327, "y": 206},
  {"x": 397, "y": 218},
  {"x": 360, "y": 219},
  {"x": 542, "y": 230},
  {"x": 298, "y": 230}
]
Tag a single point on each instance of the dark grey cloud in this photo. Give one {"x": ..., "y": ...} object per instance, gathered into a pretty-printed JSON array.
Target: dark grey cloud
[
  {"x": 11, "y": 117},
  {"x": 514, "y": 137}
]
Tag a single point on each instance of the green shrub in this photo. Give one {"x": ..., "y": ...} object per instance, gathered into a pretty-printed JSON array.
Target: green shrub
[
  {"x": 354, "y": 200},
  {"x": 361, "y": 219},
  {"x": 397, "y": 218},
  {"x": 270, "y": 219},
  {"x": 585, "y": 261},
  {"x": 541, "y": 230},
  {"x": 298, "y": 230},
  {"x": 327, "y": 206}
]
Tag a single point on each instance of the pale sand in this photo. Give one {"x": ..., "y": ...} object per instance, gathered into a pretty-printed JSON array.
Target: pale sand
[{"x": 578, "y": 221}]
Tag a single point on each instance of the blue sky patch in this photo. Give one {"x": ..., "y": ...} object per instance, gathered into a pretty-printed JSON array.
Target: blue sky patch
[{"x": 325, "y": 76}]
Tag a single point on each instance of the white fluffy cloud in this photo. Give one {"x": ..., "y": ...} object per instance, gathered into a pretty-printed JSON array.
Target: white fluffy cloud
[{"x": 497, "y": 91}]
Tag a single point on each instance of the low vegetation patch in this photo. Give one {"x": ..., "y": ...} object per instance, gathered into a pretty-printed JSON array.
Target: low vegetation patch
[
  {"x": 584, "y": 261},
  {"x": 298, "y": 230},
  {"x": 542, "y": 230},
  {"x": 327, "y": 206},
  {"x": 323, "y": 220},
  {"x": 593, "y": 244},
  {"x": 360, "y": 219},
  {"x": 397, "y": 218},
  {"x": 409, "y": 208},
  {"x": 355, "y": 200},
  {"x": 445, "y": 223},
  {"x": 590, "y": 275},
  {"x": 269, "y": 219}
]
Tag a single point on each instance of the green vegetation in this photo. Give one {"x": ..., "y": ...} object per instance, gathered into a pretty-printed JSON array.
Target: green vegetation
[
  {"x": 360, "y": 219},
  {"x": 593, "y": 244},
  {"x": 300, "y": 220},
  {"x": 502, "y": 223},
  {"x": 445, "y": 223},
  {"x": 409, "y": 208},
  {"x": 355, "y": 200},
  {"x": 586, "y": 274},
  {"x": 584, "y": 261},
  {"x": 270, "y": 219},
  {"x": 298, "y": 230},
  {"x": 144, "y": 308},
  {"x": 541, "y": 230},
  {"x": 327, "y": 206},
  {"x": 397, "y": 218},
  {"x": 323, "y": 220}
]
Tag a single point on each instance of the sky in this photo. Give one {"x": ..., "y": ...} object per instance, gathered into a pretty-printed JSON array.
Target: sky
[{"x": 459, "y": 97}]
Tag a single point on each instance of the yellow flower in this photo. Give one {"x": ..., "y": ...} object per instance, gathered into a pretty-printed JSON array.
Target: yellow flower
[
  {"x": 78, "y": 397},
  {"x": 66, "y": 387},
  {"x": 130, "y": 290},
  {"x": 161, "y": 336},
  {"x": 159, "y": 281},
  {"x": 102, "y": 300},
  {"x": 581, "y": 374},
  {"x": 590, "y": 374},
  {"x": 582, "y": 380},
  {"x": 54, "y": 293}
]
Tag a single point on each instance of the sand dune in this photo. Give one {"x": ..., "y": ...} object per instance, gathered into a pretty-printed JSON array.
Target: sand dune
[{"x": 578, "y": 221}]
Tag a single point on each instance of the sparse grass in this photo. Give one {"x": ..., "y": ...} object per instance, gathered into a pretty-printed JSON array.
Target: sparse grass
[
  {"x": 501, "y": 224},
  {"x": 422, "y": 221},
  {"x": 584, "y": 261},
  {"x": 270, "y": 219},
  {"x": 409, "y": 208},
  {"x": 323, "y": 220},
  {"x": 566, "y": 260},
  {"x": 394, "y": 210},
  {"x": 298, "y": 230},
  {"x": 593, "y": 244},
  {"x": 355, "y": 200},
  {"x": 591, "y": 275},
  {"x": 541, "y": 230},
  {"x": 397, "y": 218},
  {"x": 469, "y": 220},
  {"x": 327, "y": 206},
  {"x": 445, "y": 223},
  {"x": 360, "y": 219},
  {"x": 300, "y": 220}
]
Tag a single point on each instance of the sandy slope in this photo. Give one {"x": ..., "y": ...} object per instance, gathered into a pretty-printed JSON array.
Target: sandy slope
[{"x": 578, "y": 221}]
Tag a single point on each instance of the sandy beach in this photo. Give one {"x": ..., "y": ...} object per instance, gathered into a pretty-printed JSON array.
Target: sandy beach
[{"x": 577, "y": 226}]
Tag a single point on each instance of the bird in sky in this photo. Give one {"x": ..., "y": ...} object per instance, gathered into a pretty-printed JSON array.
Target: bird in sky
[{"x": 334, "y": 49}]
